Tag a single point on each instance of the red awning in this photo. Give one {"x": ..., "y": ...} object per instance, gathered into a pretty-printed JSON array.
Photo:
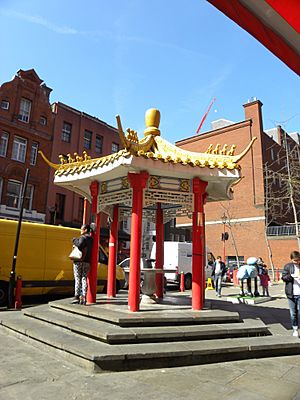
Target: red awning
[{"x": 275, "y": 23}]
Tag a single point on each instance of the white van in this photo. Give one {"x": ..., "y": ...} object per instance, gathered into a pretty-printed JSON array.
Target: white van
[{"x": 178, "y": 257}]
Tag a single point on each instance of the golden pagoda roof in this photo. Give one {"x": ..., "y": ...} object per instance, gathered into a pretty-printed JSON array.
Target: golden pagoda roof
[{"x": 152, "y": 146}]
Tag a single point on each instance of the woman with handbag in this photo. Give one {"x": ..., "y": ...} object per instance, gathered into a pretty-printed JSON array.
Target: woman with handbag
[{"x": 81, "y": 263}]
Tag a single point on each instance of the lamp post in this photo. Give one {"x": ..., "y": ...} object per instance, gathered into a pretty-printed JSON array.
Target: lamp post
[{"x": 224, "y": 221}]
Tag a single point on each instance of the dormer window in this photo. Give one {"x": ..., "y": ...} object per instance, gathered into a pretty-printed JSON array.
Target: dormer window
[
  {"x": 43, "y": 120},
  {"x": 4, "y": 105},
  {"x": 25, "y": 108}
]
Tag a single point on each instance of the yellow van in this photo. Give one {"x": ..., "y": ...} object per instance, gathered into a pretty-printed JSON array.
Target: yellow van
[{"x": 43, "y": 261}]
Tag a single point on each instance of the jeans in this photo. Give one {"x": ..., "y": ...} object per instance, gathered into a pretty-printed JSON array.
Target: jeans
[
  {"x": 294, "y": 304},
  {"x": 218, "y": 283},
  {"x": 81, "y": 270}
]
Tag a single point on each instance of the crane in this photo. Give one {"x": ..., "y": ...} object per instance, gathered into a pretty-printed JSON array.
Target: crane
[{"x": 205, "y": 115}]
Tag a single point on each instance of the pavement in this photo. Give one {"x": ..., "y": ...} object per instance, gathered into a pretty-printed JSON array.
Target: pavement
[{"x": 30, "y": 373}]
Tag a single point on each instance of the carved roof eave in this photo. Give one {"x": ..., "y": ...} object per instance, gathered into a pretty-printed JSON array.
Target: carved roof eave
[{"x": 159, "y": 150}]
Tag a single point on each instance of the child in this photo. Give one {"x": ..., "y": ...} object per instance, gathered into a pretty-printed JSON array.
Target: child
[{"x": 264, "y": 281}]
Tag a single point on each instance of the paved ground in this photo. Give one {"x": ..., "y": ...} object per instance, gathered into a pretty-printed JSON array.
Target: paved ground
[{"x": 28, "y": 373}]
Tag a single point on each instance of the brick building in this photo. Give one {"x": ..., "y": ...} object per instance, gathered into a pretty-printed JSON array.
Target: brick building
[
  {"x": 28, "y": 123},
  {"x": 247, "y": 216},
  {"x": 75, "y": 132},
  {"x": 26, "y": 126}
]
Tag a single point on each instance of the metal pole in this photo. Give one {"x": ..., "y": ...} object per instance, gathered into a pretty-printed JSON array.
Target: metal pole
[{"x": 12, "y": 276}]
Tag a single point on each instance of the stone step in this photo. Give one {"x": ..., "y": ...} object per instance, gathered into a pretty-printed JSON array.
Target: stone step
[
  {"x": 150, "y": 317},
  {"x": 102, "y": 356},
  {"x": 110, "y": 333}
]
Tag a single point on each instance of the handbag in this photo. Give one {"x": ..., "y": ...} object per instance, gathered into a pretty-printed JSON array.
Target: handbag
[{"x": 76, "y": 254}]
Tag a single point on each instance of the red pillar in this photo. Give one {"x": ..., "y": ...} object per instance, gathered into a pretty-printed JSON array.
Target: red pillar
[
  {"x": 112, "y": 256},
  {"x": 85, "y": 206},
  {"x": 159, "y": 263},
  {"x": 198, "y": 244},
  {"x": 92, "y": 276},
  {"x": 138, "y": 183}
]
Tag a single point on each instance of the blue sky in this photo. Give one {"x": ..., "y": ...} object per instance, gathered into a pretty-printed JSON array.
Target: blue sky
[{"x": 125, "y": 56}]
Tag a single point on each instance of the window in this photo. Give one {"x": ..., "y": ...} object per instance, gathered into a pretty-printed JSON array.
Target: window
[
  {"x": 14, "y": 192},
  {"x": 66, "y": 132},
  {"x": 4, "y": 105},
  {"x": 87, "y": 140},
  {"x": 28, "y": 197},
  {"x": 19, "y": 149},
  {"x": 3, "y": 144},
  {"x": 272, "y": 155},
  {"x": 43, "y": 120},
  {"x": 60, "y": 206},
  {"x": 33, "y": 153},
  {"x": 99, "y": 144},
  {"x": 25, "y": 107},
  {"x": 114, "y": 147}
]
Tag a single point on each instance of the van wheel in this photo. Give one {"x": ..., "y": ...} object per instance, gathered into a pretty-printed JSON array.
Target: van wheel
[
  {"x": 187, "y": 281},
  {"x": 3, "y": 293}
]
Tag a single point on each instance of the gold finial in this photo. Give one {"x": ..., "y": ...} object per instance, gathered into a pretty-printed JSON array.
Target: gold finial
[
  {"x": 70, "y": 159},
  {"x": 152, "y": 120},
  {"x": 216, "y": 149},
  {"x": 224, "y": 150},
  {"x": 231, "y": 151},
  {"x": 209, "y": 149},
  {"x": 62, "y": 159},
  {"x": 85, "y": 156}
]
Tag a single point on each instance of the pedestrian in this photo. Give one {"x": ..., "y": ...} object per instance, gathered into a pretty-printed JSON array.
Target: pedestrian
[
  {"x": 264, "y": 280},
  {"x": 81, "y": 268},
  {"x": 218, "y": 271},
  {"x": 291, "y": 277}
]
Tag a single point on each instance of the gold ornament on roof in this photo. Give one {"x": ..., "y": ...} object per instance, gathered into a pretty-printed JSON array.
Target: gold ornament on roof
[{"x": 152, "y": 146}]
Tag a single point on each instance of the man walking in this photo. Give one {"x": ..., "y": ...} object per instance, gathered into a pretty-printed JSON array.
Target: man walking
[
  {"x": 218, "y": 271},
  {"x": 291, "y": 277}
]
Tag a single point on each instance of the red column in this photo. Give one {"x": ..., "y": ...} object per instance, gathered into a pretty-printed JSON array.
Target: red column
[
  {"x": 198, "y": 244},
  {"x": 92, "y": 276},
  {"x": 138, "y": 183},
  {"x": 85, "y": 206},
  {"x": 112, "y": 256},
  {"x": 159, "y": 263}
]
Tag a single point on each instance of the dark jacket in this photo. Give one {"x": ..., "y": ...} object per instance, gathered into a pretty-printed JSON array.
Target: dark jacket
[
  {"x": 223, "y": 268},
  {"x": 84, "y": 243},
  {"x": 287, "y": 272}
]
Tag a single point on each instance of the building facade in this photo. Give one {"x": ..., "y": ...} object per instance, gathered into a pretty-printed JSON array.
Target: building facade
[
  {"x": 29, "y": 123},
  {"x": 255, "y": 208},
  {"x": 75, "y": 132},
  {"x": 26, "y": 126}
]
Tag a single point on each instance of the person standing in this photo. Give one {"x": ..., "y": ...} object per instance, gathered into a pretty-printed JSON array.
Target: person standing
[
  {"x": 218, "y": 271},
  {"x": 291, "y": 277},
  {"x": 264, "y": 281},
  {"x": 81, "y": 268}
]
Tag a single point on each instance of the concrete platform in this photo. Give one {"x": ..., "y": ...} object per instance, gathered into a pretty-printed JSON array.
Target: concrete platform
[
  {"x": 236, "y": 299},
  {"x": 107, "y": 337}
]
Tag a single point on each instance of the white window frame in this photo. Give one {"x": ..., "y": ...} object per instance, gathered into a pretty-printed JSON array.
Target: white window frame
[
  {"x": 4, "y": 143},
  {"x": 19, "y": 149},
  {"x": 16, "y": 197},
  {"x": 4, "y": 105},
  {"x": 43, "y": 120},
  {"x": 34, "y": 153},
  {"x": 66, "y": 133},
  {"x": 87, "y": 139},
  {"x": 25, "y": 108},
  {"x": 115, "y": 147}
]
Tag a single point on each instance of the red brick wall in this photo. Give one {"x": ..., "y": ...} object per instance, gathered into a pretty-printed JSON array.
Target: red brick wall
[{"x": 27, "y": 84}]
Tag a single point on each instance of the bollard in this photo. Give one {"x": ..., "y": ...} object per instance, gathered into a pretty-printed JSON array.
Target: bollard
[
  {"x": 277, "y": 275},
  {"x": 235, "y": 279},
  {"x": 182, "y": 282},
  {"x": 18, "y": 301},
  {"x": 228, "y": 275},
  {"x": 209, "y": 285}
]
